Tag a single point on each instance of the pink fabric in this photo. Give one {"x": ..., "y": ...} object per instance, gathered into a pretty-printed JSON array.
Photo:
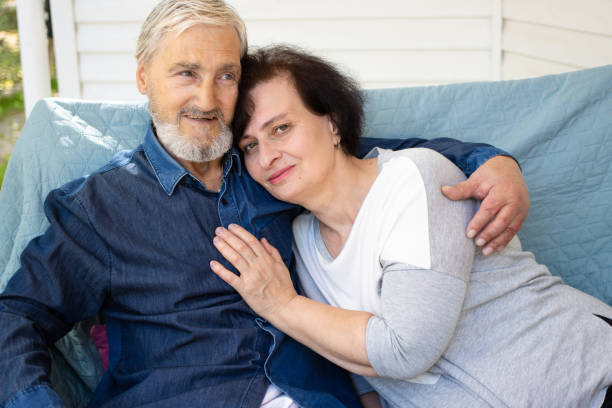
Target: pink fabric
[{"x": 98, "y": 332}]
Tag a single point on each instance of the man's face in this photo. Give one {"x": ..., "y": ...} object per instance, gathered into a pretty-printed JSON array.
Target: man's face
[{"x": 192, "y": 85}]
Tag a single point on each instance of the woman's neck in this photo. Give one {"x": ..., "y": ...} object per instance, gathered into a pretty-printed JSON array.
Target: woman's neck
[{"x": 339, "y": 199}]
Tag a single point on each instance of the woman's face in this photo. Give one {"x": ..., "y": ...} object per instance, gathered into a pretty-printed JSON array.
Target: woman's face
[{"x": 287, "y": 148}]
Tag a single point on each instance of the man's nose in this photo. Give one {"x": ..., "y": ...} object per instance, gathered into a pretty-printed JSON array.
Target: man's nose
[{"x": 206, "y": 98}]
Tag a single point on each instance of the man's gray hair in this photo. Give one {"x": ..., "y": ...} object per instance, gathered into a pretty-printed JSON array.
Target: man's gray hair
[{"x": 178, "y": 16}]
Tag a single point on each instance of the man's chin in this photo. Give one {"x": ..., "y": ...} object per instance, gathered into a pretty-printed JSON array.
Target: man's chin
[{"x": 195, "y": 144}]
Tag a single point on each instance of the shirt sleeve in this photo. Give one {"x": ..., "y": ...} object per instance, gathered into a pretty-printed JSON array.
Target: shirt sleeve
[
  {"x": 63, "y": 279},
  {"x": 421, "y": 302},
  {"x": 467, "y": 156},
  {"x": 37, "y": 396}
]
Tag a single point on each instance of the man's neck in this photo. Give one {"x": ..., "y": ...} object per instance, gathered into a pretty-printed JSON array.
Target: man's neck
[{"x": 209, "y": 173}]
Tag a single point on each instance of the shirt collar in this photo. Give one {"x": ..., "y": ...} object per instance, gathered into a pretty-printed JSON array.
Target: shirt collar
[{"x": 168, "y": 171}]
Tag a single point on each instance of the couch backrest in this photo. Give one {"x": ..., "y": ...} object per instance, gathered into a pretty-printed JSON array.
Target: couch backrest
[{"x": 559, "y": 127}]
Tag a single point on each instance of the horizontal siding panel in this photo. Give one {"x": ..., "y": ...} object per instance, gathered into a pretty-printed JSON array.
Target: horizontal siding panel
[
  {"x": 113, "y": 67},
  {"x": 557, "y": 45},
  {"x": 375, "y": 34},
  {"x": 519, "y": 66},
  {"x": 137, "y": 10},
  {"x": 301, "y": 9},
  {"x": 412, "y": 66},
  {"x": 112, "y": 92},
  {"x": 112, "y": 10},
  {"x": 594, "y": 16},
  {"x": 327, "y": 35},
  {"x": 117, "y": 37}
]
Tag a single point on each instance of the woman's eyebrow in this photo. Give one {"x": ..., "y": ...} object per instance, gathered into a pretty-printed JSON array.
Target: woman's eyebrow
[{"x": 273, "y": 119}]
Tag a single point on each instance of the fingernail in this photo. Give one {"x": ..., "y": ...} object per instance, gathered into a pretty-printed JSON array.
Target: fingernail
[
  {"x": 219, "y": 230},
  {"x": 487, "y": 251},
  {"x": 480, "y": 242},
  {"x": 231, "y": 227},
  {"x": 471, "y": 233},
  {"x": 213, "y": 264},
  {"x": 216, "y": 240}
]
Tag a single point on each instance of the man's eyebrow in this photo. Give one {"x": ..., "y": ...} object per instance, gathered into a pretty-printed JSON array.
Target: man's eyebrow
[
  {"x": 230, "y": 66},
  {"x": 189, "y": 66},
  {"x": 185, "y": 65}
]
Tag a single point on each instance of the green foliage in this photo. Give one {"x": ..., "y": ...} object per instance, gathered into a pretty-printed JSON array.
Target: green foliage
[
  {"x": 11, "y": 97},
  {"x": 10, "y": 68},
  {"x": 10, "y": 104},
  {"x": 3, "y": 163},
  {"x": 8, "y": 17}
]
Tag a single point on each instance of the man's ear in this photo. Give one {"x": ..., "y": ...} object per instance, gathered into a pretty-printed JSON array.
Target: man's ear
[{"x": 142, "y": 79}]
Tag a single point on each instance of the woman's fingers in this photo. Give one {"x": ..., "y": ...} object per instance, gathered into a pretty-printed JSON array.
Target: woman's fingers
[
  {"x": 272, "y": 251},
  {"x": 264, "y": 281},
  {"x": 235, "y": 257},
  {"x": 247, "y": 238},
  {"x": 228, "y": 276},
  {"x": 241, "y": 241}
]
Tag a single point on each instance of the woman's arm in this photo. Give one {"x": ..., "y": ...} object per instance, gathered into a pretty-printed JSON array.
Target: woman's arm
[{"x": 265, "y": 284}]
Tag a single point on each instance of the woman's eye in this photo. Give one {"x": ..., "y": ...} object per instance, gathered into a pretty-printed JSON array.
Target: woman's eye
[
  {"x": 248, "y": 147},
  {"x": 280, "y": 129}
]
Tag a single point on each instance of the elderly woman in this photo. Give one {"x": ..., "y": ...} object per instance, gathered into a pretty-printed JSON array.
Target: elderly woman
[{"x": 397, "y": 293}]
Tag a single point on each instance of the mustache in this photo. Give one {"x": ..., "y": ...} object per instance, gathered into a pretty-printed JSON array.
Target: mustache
[{"x": 198, "y": 113}]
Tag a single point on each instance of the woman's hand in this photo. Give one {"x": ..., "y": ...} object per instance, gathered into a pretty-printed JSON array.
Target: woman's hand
[
  {"x": 265, "y": 284},
  {"x": 264, "y": 281}
]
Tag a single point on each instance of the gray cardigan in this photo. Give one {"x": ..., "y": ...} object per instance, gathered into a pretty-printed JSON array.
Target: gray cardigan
[{"x": 497, "y": 331}]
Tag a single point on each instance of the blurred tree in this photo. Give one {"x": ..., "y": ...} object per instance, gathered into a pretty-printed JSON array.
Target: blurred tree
[{"x": 10, "y": 67}]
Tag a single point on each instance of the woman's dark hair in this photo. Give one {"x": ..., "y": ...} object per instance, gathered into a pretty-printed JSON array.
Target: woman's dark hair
[{"x": 323, "y": 89}]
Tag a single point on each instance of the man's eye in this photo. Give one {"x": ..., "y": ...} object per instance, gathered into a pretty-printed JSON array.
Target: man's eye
[
  {"x": 186, "y": 74},
  {"x": 228, "y": 76},
  {"x": 280, "y": 129}
]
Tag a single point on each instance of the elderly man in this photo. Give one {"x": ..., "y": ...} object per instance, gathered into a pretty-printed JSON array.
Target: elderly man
[{"x": 132, "y": 242}]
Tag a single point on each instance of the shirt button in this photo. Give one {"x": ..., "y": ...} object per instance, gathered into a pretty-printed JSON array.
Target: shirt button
[{"x": 223, "y": 201}]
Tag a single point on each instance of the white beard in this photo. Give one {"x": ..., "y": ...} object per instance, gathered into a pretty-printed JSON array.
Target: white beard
[{"x": 192, "y": 149}]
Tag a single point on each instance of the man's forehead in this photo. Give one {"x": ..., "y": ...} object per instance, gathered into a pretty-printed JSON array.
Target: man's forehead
[
  {"x": 204, "y": 45},
  {"x": 205, "y": 36}
]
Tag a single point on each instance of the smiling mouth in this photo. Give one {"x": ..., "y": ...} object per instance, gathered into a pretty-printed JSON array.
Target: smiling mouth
[
  {"x": 201, "y": 118},
  {"x": 280, "y": 175}
]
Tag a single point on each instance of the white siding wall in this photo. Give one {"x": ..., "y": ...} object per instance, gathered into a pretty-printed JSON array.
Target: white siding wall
[
  {"x": 384, "y": 43},
  {"x": 542, "y": 37}
]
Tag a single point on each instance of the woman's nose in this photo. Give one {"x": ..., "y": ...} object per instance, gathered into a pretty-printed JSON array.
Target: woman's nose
[{"x": 267, "y": 155}]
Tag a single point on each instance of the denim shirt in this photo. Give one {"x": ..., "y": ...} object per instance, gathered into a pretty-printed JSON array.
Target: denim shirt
[{"x": 133, "y": 242}]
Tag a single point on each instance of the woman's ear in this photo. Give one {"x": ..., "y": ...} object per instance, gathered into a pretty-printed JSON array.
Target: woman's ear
[{"x": 333, "y": 127}]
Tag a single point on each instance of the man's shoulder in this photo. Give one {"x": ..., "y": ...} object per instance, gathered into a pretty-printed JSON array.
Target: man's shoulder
[{"x": 128, "y": 160}]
